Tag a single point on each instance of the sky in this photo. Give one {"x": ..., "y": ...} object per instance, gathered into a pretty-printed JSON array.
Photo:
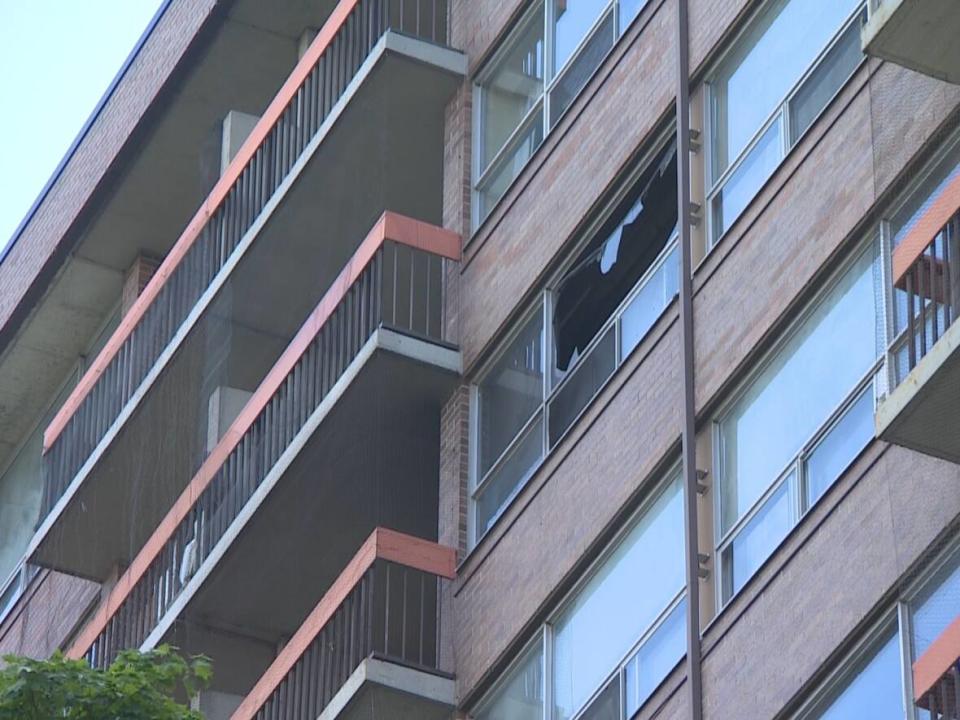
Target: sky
[{"x": 57, "y": 58}]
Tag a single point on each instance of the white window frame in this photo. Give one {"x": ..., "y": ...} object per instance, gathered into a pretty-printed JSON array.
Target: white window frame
[
  {"x": 781, "y": 112},
  {"x": 798, "y": 496},
  {"x": 545, "y": 633},
  {"x": 481, "y": 176}
]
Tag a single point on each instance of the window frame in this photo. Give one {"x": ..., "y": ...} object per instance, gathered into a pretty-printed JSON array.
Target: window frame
[
  {"x": 849, "y": 667},
  {"x": 781, "y": 113},
  {"x": 543, "y": 303},
  {"x": 796, "y": 466},
  {"x": 481, "y": 176},
  {"x": 544, "y": 633}
]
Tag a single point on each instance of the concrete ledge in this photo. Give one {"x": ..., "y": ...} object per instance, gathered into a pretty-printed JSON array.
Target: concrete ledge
[{"x": 379, "y": 688}]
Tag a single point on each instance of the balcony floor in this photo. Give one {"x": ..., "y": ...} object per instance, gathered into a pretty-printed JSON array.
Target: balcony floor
[{"x": 923, "y": 412}]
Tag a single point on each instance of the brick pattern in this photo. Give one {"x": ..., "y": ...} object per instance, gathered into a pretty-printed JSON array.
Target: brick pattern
[
  {"x": 582, "y": 156},
  {"x": 814, "y": 208},
  {"x": 55, "y": 219},
  {"x": 454, "y": 459},
  {"x": 47, "y": 613}
]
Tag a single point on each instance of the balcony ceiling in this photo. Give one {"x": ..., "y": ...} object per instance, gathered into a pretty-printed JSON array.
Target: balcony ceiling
[
  {"x": 242, "y": 64},
  {"x": 918, "y": 34}
]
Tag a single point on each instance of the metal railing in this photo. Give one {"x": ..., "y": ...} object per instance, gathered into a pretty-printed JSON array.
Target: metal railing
[
  {"x": 385, "y": 605},
  {"x": 267, "y": 157},
  {"x": 928, "y": 291},
  {"x": 942, "y": 700},
  {"x": 392, "y": 281}
]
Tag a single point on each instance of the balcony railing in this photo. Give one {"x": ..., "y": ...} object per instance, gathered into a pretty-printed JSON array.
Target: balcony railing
[
  {"x": 385, "y": 604},
  {"x": 926, "y": 272},
  {"x": 203, "y": 251},
  {"x": 393, "y": 281},
  {"x": 936, "y": 676}
]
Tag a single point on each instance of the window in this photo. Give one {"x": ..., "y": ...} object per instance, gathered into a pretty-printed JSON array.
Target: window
[
  {"x": 533, "y": 79},
  {"x": 793, "y": 59},
  {"x": 591, "y": 318},
  {"x": 876, "y": 680},
  {"x": 872, "y": 689},
  {"x": 798, "y": 423},
  {"x": 631, "y": 606}
]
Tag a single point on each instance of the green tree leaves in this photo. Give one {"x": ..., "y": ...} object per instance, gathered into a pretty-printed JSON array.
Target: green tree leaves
[{"x": 137, "y": 686}]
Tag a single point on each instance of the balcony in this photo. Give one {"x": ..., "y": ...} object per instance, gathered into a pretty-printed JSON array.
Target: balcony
[
  {"x": 341, "y": 437},
  {"x": 921, "y": 412},
  {"x": 936, "y": 676},
  {"x": 917, "y": 34},
  {"x": 373, "y": 640},
  {"x": 357, "y": 127}
]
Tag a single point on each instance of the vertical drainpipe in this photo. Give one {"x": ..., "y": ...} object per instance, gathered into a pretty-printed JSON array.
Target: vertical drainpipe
[{"x": 686, "y": 330}]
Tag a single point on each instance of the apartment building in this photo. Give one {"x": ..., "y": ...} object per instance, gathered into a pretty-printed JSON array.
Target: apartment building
[{"x": 503, "y": 360}]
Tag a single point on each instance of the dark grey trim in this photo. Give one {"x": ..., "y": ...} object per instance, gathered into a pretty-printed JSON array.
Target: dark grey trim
[{"x": 689, "y": 437}]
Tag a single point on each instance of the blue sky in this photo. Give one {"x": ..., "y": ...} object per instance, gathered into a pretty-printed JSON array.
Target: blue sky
[{"x": 57, "y": 58}]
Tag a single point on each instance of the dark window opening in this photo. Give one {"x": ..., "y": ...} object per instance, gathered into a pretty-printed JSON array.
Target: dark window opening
[{"x": 614, "y": 261}]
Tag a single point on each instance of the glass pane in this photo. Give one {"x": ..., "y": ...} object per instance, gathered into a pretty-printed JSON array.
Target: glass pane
[
  {"x": 510, "y": 166},
  {"x": 21, "y": 490},
  {"x": 511, "y": 392},
  {"x": 816, "y": 369},
  {"x": 629, "y": 9},
  {"x": 656, "y": 658},
  {"x": 572, "y": 20},
  {"x": 613, "y": 262},
  {"x": 502, "y": 484},
  {"x": 946, "y": 171},
  {"x": 520, "y": 697},
  {"x": 818, "y": 89},
  {"x": 513, "y": 87},
  {"x": 741, "y": 187},
  {"x": 644, "y": 310},
  {"x": 758, "y": 539},
  {"x": 581, "y": 69},
  {"x": 756, "y": 78},
  {"x": 875, "y": 692},
  {"x": 840, "y": 446},
  {"x": 936, "y": 608},
  {"x": 588, "y": 377},
  {"x": 606, "y": 706},
  {"x": 619, "y": 603}
]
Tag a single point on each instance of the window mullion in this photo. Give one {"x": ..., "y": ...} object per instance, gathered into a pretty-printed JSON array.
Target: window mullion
[
  {"x": 548, "y": 660},
  {"x": 905, "y": 628}
]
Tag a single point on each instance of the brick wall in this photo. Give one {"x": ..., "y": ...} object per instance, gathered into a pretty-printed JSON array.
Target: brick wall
[
  {"x": 818, "y": 205},
  {"x": 46, "y": 614},
  {"x": 51, "y": 226}
]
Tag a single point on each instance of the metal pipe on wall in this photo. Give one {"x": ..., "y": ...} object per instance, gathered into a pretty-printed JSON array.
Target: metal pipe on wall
[{"x": 689, "y": 438}]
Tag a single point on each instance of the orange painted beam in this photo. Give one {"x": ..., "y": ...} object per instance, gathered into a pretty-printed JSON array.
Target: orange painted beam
[
  {"x": 390, "y": 227},
  {"x": 383, "y": 544},
  {"x": 926, "y": 229},
  {"x": 937, "y": 660},
  {"x": 190, "y": 234}
]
